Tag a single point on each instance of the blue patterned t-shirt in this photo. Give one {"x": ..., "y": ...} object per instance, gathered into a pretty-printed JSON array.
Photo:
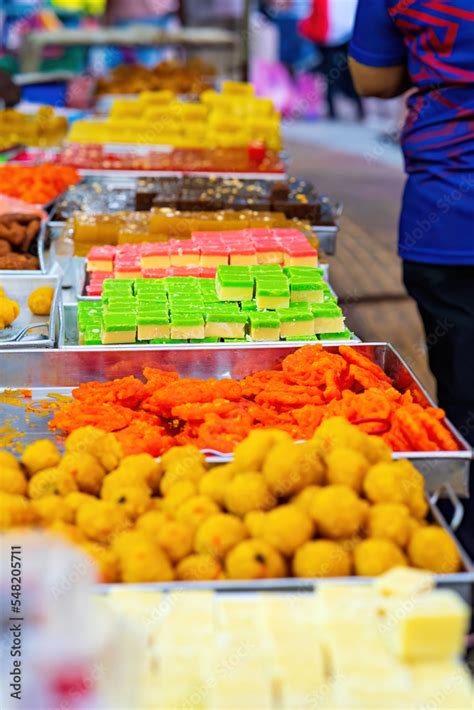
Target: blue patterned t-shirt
[{"x": 435, "y": 39}]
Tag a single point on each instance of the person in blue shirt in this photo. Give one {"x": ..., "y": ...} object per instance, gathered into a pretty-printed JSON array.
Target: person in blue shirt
[{"x": 428, "y": 45}]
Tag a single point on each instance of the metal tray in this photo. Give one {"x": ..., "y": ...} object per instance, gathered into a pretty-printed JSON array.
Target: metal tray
[
  {"x": 59, "y": 371},
  {"x": 462, "y": 582},
  {"x": 41, "y": 240},
  {"x": 326, "y": 237},
  {"x": 89, "y": 172},
  {"x": 19, "y": 287}
]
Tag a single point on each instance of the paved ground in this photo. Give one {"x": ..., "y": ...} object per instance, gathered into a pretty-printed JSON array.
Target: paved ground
[{"x": 348, "y": 161}]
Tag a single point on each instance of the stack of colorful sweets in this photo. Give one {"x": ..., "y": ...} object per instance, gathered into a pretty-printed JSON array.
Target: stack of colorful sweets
[
  {"x": 244, "y": 303},
  {"x": 202, "y": 254}
]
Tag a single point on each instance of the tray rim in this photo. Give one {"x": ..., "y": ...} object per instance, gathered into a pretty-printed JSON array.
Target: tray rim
[{"x": 284, "y": 584}]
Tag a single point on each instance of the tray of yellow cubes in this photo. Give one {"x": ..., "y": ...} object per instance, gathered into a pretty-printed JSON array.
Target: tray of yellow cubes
[
  {"x": 396, "y": 642},
  {"x": 233, "y": 117},
  {"x": 29, "y": 307}
]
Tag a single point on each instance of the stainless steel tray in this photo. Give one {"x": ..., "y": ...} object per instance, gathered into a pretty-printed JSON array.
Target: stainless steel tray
[
  {"x": 89, "y": 172},
  {"x": 461, "y": 582},
  {"x": 59, "y": 371},
  {"x": 43, "y": 267},
  {"x": 19, "y": 288},
  {"x": 326, "y": 236}
]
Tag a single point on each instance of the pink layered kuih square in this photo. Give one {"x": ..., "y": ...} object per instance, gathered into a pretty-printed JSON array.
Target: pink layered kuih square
[{"x": 101, "y": 259}]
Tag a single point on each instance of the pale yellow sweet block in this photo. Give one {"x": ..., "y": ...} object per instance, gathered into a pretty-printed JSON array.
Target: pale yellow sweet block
[
  {"x": 446, "y": 685},
  {"x": 234, "y": 293},
  {"x": 307, "y": 296},
  {"x": 181, "y": 332},
  {"x": 213, "y": 260},
  {"x": 99, "y": 265},
  {"x": 271, "y": 303},
  {"x": 148, "y": 332},
  {"x": 224, "y": 330},
  {"x": 118, "y": 337},
  {"x": 341, "y": 603},
  {"x": 301, "y": 260},
  {"x": 185, "y": 259},
  {"x": 126, "y": 274},
  {"x": 404, "y": 582},
  {"x": 264, "y": 333},
  {"x": 232, "y": 612},
  {"x": 298, "y": 328},
  {"x": 140, "y": 606},
  {"x": 184, "y": 689},
  {"x": 356, "y": 649},
  {"x": 427, "y": 627},
  {"x": 243, "y": 259},
  {"x": 158, "y": 261},
  {"x": 269, "y": 257},
  {"x": 304, "y": 685},
  {"x": 182, "y": 611},
  {"x": 328, "y": 325},
  {"x": 381, "y": 691},
  {"x": 242, "y": 685}
]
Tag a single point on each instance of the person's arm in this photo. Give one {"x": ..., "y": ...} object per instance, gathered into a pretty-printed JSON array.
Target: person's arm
[
  {"x": 378, "y": 60},
  {"x": 381, "y": 82},
  {"x": 10, "y": 93}
]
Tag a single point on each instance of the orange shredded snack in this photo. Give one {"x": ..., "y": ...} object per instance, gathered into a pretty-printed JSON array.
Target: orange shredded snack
[
  {"x": 37, "y": 184},
  {"x": 311, "y": 385}
]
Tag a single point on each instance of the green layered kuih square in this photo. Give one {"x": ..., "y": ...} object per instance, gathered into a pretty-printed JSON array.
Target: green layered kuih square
[
  {"x": 294, "y": 315},
  {"x": 119, "y": 305},
  {"x": 114, "y": 285},
  {"x": 301, "y": 306},
  {"x": 186, "y": 281},
  {"x": 222, "y": 307},
  {"x": 238, "y": 280},
  {"x": 304, "y": 284},
  {"x": 248, "y": 306},
  {"x": 186, "y": 319},
  {"x": 226, "y": 317},
  {"x": 263, "y": 269},
  {"x": 115, "y": 322},
  {"x": 152, "y": 318},
  {"x": 92, "y": 336},
  {"x": 344, "y": 335},
  {"x": 267, "y": 288},
  {"x": 326, "y": 310},
  {"x": 264, "y": 319},
  {"x": 296, "y": 338},
  {"x": 304, "y": 271}
]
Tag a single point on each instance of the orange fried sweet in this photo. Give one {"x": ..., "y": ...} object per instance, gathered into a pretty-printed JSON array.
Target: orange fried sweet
[{"x": 311, "y": 385}]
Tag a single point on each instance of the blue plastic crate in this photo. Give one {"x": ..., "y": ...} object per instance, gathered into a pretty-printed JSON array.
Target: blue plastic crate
[{"x": 49, "y": 92}]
